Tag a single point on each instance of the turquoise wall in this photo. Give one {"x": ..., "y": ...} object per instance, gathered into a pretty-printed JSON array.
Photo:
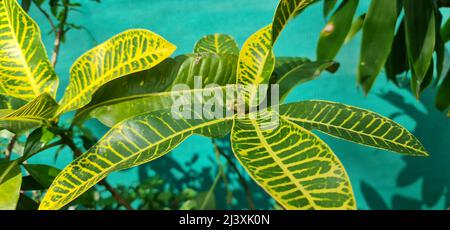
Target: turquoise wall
[{"x": 380, "y": 179}]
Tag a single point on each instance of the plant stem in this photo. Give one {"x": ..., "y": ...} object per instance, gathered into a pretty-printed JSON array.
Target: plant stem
[
  {"x": 211, "y": 190},
  {"x": 59, "y": 35},
  {"x": 46, "y": 15},
  {"x": 10, "y": 147},
  {"x": 248, "y": 194},
  {"x": 115, "y": 194}
]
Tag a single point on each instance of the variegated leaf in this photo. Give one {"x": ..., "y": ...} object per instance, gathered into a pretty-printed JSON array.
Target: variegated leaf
[
  {"x": 287, "y": 10},
  {"x": 133, "y": 142},
  {"x": 217, "y": 44},
  {"x": 25, "y": 71},
  {"x": 124, "y": 54},
  {"x": 292, "y": 164},
  {"x": 256, "y": 62},
  {"x": 32, "y": 115},
  {"x": 353, "y": 124}
]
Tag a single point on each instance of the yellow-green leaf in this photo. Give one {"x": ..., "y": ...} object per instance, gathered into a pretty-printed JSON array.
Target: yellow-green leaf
[
  {"x": 10, "y": 181},
  {"x": 25, "y": 71},
  {"x": 353, "y": 124},
  {"x": 287, "y": 10},
  {"x": 32, "y": 115},
  {"x": 292, "y": 164},
  {"x": 217, "y": 44},
  {"x": 256, "y": 62},
  {"x": 133, "y": 142},
  {"x": 126, "y": 53}
]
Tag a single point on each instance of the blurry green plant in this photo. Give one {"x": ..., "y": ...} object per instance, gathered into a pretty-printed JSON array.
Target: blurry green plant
[
  {"x": 126, "y": 83},
  {"x": 400, "y": 35}
]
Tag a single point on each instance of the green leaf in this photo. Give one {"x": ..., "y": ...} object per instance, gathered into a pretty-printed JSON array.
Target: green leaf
[
  {"x": 25, "y": 71},
  {"x": 328, "y": 6},
  {"x": 353, "y": 124},
  {"x": 357, "y": 25},
  {"x": 397, "y": 61},
  {"x": 292, "y": 164},
  {"x": 35, "y": 141},
  {"x": 217, "y": 44},
  {"x": 333, "y": 35},
  {"x": 133, "y": 142},
  {"x": 126, "y": 53},
  {"x": 283, "y": 65},
  {"x": 287, "y": 10},
  {"x": 301, "y": 74},
  {"x": 32, "y": 115},
  {"x": 439, "y": 47},
  {"x": 420, "y": 36},
  {"x": 26, "y": 203},
  {"x": 11, "y": 102},
  {"x": 377, "y": 38},
  {"x": 10, "y": 180},
  {"x": 43, "y": 174},
  {"x": 443, "y": 95},
  {"x": 445, "y": 31},
  {"x": 151, "y": 90},
  {"x": 256, "y": 63}
]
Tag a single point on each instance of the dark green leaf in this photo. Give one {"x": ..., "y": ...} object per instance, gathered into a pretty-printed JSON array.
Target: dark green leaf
[
  {"x": 378, "y": 35},
  {"x": 43, "y": 174},
  {"x": 443, "y": 95},
  {"x": 356, "y": 27},
  {"x": 397, "y": 62},
  {"x": 328, "y": 6}
]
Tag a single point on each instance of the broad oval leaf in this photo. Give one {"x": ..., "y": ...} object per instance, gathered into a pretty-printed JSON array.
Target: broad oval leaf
[
  {"x": 151, "y": 90},
  {"x": 333, "y": 35},
  {"x": 292, "y": 164},
  {"x": 133, "y": 142},
  {"x": 217, "y": 44},
  {"x": 10, "y": 181},
  {"x": 378, "y": 35},
  {"x": 25, "y": 71},
  {"x": 32, "y": 115},
  {"x": 126, "y": 53},
  {"x": 353, "y": 124},
  {"x": 287, "y": 10},
  {"x": 420, "y": 36},
  {"x": 256, "y": 62}
]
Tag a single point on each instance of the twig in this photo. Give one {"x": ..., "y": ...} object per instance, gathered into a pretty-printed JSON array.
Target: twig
[
  {"x": 10, "y": 147},
  {"x": 52, "y": 24},
  {"x": 115, "y": 194},
  {"x": 222, "y": 169},
  {"x": 59, "y": 34},
  {"x": 248, "y": 194}
]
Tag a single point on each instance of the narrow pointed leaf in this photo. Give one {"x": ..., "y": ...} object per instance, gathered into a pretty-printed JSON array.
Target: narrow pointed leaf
[
  {"x": 283, "y": 65},
  {"x": 301, "y": 74},
  {"x": 10, "y": 181},
  {"x": 126, "y": 53},
  {"x": 217, "y": 44},
  {"x": 443, "y": 95},
  {"x": 152, "y": 89},
  {"x": 397, "y": 61},
  {"x": 328, "y": 6},
  {"x": 25, "y": 71},
  {"x": 256, "y": 62},
  {"x": 420, "y": 36},
  {"x": 286, "y": 11},
  {"x": 445, "y": 31},
  {"x": 333, "y": 35},
  {"x": 357, "y": 25},
  {"x": 32, "y": 115},
  {"x": 353, "y": 124},
  {"x": 292, "y": 164},
  {"x": 377, "y": 38},
  {"x": 133, "y": 142}
]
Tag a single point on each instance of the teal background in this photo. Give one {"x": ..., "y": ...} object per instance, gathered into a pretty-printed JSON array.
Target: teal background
[{"x": 380, "y": 179}]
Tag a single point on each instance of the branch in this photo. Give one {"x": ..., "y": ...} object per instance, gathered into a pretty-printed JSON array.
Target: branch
[
  {"x": 59, "y": 34},
  {"x": 52, "y": 24},
  {"x": 248, "y": 194},
  {"x": 10, "y": 147}
]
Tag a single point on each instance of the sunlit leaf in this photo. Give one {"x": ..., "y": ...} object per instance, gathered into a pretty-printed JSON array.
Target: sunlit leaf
[
  {"x": 333, "y": 35},
  {"x": 377, "y": 38},
  {"x": 152, "y": 89},
  {"x": 32, "y": 115},
  {"x": 353, "y": 124},
  {"x": 25, "y": 71},
  {"x": 286, "y": 11},
  {"x": 10, "y": 180},
  {"x": 133, "y": 142},
  {"x": 126, "y": 53},
  {"x": 292, "y": 164},
  {"x": 256, "y": 62},
  {"x": 217, "y": 44},
  {"x": 357, "y": 25}
]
